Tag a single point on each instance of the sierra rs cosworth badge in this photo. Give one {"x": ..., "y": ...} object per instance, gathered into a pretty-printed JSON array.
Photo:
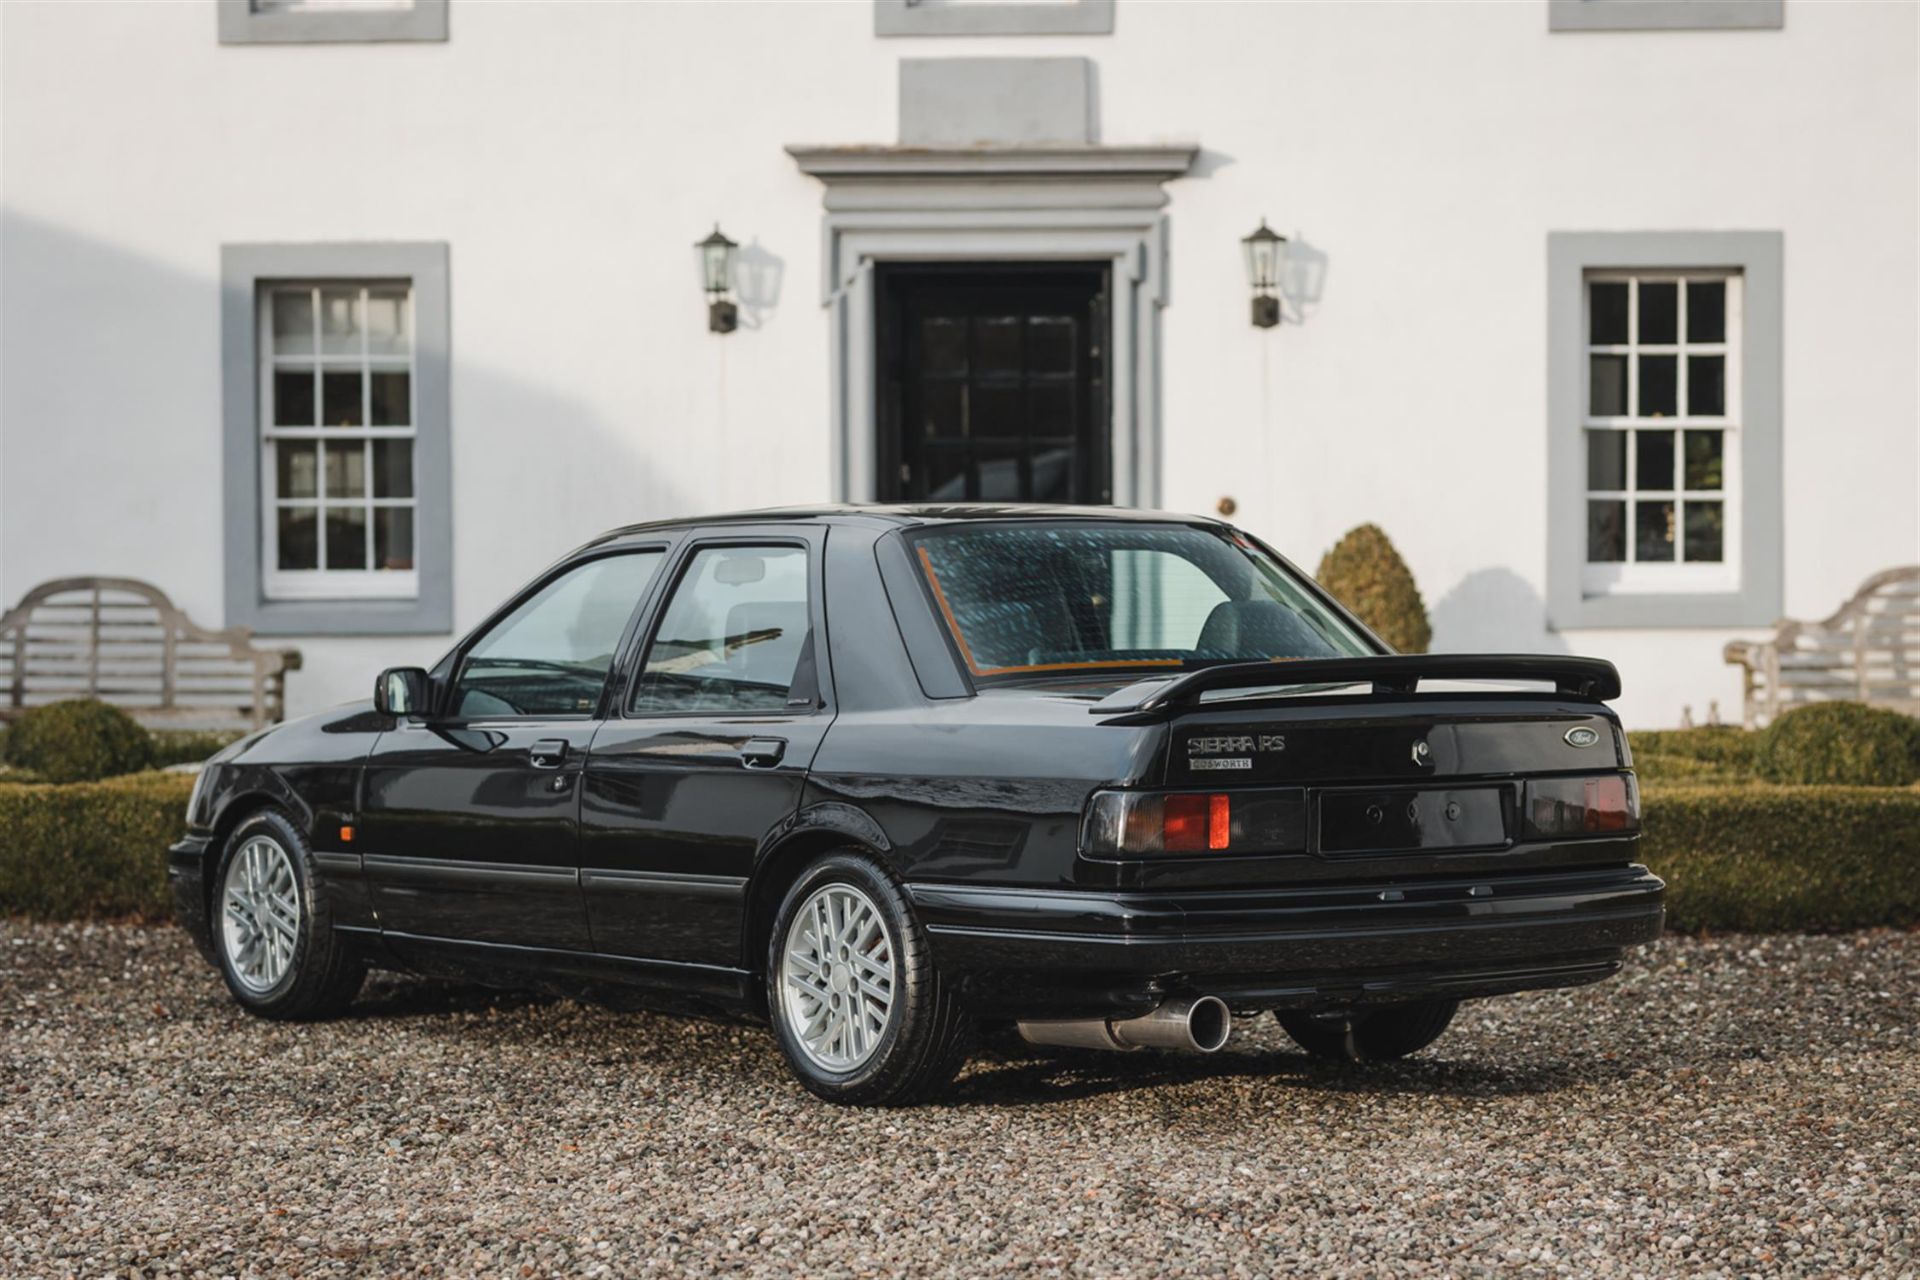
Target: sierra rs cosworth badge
[{"x": 1230, "y": 751}]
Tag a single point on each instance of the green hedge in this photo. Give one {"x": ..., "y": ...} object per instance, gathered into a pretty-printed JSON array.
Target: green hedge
[
  {"x": 1751, "y": 857},
  {"x": 1767, "y": 859},
  {"x": 90, "y": 848},
  {"x": 189, "y": 746}
]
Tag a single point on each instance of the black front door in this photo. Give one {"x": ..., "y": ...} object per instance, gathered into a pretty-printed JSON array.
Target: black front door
[
  {"x": 469, "y": 822},
  {"x": 993, "y": 383}
]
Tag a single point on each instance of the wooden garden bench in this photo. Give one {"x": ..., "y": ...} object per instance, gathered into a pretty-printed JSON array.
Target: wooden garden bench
[
  {"x": 1868, "y": 651},
  {"x": 122, "y": 641}
]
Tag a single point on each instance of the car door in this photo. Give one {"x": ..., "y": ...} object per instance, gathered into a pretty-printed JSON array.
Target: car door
[
  {"x": 470, "y": 814},
  {"x": 709, "y": 748}
]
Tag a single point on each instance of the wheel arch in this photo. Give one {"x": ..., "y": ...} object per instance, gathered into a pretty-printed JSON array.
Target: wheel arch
[
  {"x": 251, "y": 797},
  {"x": 815, "y": 831}
]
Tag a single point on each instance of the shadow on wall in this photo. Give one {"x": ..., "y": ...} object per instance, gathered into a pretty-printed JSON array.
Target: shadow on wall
[
  {"x": 1303, "y": 280},
  {"x": 1493, "y": 611},
  {"x": 113, "y": 429},
  {"x": 758, "y": 275}
]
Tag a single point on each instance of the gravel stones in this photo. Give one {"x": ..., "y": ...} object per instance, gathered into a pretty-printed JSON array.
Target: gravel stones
[{"x": 1725, "y": 1107}]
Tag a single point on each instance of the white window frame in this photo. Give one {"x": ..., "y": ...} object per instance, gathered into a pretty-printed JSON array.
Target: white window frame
[
  {"x": 324, "y": 583},
  {"x": 1632, "y": 575}
]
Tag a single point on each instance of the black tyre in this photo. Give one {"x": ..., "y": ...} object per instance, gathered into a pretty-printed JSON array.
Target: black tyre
[
  {"x": 1380, "y": 1033},
  {"x": 273, "y": 927},
  {"x": 856, "y": 1004}
]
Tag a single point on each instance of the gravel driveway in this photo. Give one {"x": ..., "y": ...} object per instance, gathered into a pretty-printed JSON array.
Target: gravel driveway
[{"x": 1731, "y": 1106}]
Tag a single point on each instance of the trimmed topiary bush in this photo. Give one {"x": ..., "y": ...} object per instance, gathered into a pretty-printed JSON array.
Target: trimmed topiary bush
[
  {"x": 1706, "y": 754},
  {"x": 1365, "y": 573},
  {"x": 90, "y": 848},
  {"x": 1780, "y": 858},
  {"x": 77, "y": 741},
  {"x": 1841, "y": 744}
]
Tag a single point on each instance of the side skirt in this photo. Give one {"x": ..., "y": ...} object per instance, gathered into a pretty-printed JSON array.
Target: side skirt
[{"x": 673, "y": 984}]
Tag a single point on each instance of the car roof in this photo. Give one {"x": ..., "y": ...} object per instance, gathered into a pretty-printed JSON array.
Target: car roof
[{"x": 905, "y": 515}]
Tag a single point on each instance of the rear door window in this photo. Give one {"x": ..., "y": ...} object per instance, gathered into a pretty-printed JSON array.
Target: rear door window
[{"x": 732, "y": 636}]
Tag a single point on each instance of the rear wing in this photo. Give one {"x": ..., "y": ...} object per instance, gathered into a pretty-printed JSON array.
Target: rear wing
[{"x": 1395, "y": 673}]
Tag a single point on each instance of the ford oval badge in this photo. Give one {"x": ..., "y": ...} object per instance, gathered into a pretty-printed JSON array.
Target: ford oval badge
[{"x": 1581, "y": 736}]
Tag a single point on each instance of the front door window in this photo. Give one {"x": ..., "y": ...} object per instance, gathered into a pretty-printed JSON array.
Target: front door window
[{"x": 550, "y": 656}]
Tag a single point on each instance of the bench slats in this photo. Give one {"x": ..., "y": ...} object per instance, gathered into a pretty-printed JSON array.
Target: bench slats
[
  {"x": 124, "y": 641},
  {"x": 1867, "y": 651}
]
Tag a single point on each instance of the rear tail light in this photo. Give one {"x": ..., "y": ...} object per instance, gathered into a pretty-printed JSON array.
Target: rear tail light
[
  {"x": 1151, "y": 823},
  {"x": 1608, "y": 804}
]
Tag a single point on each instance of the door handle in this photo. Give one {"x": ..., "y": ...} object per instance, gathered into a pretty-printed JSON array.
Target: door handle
[
  {"x": 763, "y": 753},
  {"x": 548, "y": 753}
]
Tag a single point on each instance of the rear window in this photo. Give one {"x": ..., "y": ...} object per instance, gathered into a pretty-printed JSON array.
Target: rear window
[{"x": 1065, "y": 597}]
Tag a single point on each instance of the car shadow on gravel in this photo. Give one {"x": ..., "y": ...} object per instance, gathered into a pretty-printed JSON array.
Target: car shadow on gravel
[
  {"x": 1002, "y": 1080},
  {"x": 389, "y": 995}
]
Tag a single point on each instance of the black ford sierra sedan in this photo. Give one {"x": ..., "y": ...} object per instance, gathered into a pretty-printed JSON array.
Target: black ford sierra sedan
[{"x": 884, "y": 775}]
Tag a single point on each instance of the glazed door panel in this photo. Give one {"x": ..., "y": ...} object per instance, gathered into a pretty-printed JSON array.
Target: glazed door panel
[{"x": 993, "y": 383}]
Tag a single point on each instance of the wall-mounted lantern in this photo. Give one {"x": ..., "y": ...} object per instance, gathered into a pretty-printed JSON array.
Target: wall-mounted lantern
[
  {"x": 716, "y": 263},
  {"x": 1265, "y": 251}
]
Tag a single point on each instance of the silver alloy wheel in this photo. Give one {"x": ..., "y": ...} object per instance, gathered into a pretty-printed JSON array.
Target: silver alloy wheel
[
  {"x": 260, "y": 914},
  {"x": 837, "y": 987}
]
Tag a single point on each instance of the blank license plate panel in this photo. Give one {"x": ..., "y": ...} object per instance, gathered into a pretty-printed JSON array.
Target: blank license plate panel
[{"x": 1393, "y": 820}]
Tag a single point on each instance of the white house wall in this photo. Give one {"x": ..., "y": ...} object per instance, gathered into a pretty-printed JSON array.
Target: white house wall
[{"x": 569, "y": 155}]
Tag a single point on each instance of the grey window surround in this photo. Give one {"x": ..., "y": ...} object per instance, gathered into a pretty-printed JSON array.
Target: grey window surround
[
  {"x": 241, "y": 23},
  {"x": 1758, "y": 256},
  {"x": 1666, "y": 15},
  {"x": 1004, "y": 18},
  {"x": 244, "y": 268},
  {"x": 1011, "y": 204}
]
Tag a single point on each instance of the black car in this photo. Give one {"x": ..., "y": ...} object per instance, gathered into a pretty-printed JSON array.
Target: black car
[{"x": 885, "y": 774}]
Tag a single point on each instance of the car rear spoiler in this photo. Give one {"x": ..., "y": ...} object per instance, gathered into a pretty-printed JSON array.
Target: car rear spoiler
[{"x": 1388, "y": 673}]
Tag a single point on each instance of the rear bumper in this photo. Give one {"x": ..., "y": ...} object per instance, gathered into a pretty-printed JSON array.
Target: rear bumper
[{"x": 1069, "y": 953}]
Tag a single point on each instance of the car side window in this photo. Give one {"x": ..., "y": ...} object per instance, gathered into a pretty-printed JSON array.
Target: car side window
[
  {"x": 550, "y": 656},
  {"x": 732, "y": 636}
]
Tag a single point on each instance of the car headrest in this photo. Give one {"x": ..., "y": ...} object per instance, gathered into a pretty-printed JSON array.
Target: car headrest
[{"x": 1258, "y": 628}]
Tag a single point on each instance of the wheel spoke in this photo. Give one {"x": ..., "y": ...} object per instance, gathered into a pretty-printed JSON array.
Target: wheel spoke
[{"x": 283, "y": 930}]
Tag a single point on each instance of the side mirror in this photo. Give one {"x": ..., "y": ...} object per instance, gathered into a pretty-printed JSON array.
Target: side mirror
[{"x": 400, "y": 691}]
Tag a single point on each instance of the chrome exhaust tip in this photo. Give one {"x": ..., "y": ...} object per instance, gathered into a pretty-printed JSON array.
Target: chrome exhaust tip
[{"x": 1195, "y": 1024}]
